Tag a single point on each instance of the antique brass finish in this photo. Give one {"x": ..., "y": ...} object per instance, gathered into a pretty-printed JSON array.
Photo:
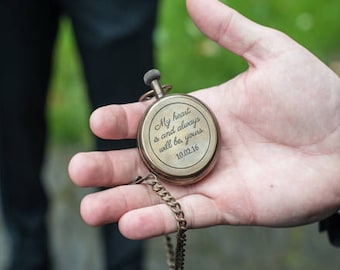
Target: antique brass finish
[{"x": 178, "y": 137}]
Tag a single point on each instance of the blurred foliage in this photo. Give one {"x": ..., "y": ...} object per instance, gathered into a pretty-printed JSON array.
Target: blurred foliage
[
  {"x": 186, "y": 58},
  {"x": 190, "y": 61},
  {"x": 68, "y": 105}
]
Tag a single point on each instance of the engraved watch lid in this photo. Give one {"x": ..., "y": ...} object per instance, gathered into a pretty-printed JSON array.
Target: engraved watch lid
[{"x": 178, "y": 139}]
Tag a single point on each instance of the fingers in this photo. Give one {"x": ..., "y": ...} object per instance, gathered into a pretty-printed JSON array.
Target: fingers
[
  {"x": 109, "y": 205},
  {"x": 199, "y": 211},
  {"x": 142, "y": 214},
  {"x": 106, "y": 169},
  {"x": 234, "y": 31},
  {"x": 117, "y": 121}
]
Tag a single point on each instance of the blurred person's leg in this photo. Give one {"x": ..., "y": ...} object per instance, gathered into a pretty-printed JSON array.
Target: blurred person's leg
[
  {"x": 27, "y": 34},
  {"x": 115, "y": 42}
]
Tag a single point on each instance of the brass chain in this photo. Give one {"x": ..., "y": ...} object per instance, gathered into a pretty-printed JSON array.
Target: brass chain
[{"x": 175, "y": 257}]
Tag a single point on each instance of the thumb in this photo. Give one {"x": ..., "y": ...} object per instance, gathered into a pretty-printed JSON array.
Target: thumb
[{"x": 235, "y": 32}]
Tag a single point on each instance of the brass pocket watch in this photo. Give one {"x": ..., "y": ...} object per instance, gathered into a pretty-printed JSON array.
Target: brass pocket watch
[{"x": 178, "y": 136}]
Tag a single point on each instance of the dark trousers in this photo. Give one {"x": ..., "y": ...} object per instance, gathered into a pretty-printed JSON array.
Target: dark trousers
[{"x": 114, "y": 38}]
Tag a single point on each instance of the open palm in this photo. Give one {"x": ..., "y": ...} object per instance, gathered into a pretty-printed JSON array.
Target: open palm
[{"x": 279, "y": 163}]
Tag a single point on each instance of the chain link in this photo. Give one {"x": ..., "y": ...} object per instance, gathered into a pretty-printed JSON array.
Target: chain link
[{"x": 175, "y": 257}]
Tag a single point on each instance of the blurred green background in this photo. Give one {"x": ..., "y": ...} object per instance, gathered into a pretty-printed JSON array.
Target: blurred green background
[{"x": 185, "y": 57}]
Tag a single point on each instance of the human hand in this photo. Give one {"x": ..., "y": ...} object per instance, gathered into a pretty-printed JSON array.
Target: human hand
[{"x": 279, "y": 163}]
